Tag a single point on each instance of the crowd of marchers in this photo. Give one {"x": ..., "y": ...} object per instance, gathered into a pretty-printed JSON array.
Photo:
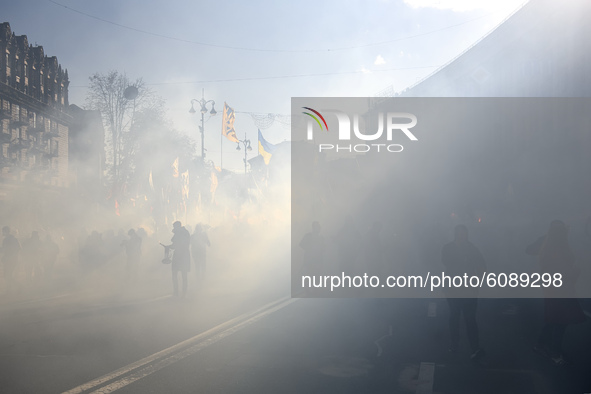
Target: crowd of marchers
[{"x": 29, "y": 261}]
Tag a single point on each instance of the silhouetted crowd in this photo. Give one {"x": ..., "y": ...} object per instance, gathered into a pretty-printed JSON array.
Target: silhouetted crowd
[
  {"x": 38, "y": 256},
  {"x": 31, "y": 260},
  {"x": 372, "y": 253}
]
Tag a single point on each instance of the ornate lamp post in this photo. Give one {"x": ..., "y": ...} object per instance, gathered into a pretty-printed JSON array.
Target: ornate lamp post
[
  {"x": 247, "y": 149},
  {"x": 203, "y": 103}
]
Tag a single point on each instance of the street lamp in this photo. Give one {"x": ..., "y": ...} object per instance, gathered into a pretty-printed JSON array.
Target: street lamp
[
  {"x": 247, "y": 149},
  {"x": 203, "y": 103}
]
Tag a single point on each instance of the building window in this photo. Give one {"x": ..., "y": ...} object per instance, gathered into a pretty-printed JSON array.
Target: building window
[{"x": 54, "y": 148}]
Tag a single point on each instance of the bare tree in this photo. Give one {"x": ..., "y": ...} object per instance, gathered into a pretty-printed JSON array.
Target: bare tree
[{"x": 107, "y": 94}]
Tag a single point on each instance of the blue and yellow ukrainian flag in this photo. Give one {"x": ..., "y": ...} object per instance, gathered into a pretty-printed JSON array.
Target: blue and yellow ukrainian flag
[{"x": 265, "y": 149}]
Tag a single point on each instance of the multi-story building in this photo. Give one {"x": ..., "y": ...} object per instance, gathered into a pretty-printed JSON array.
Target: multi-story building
[
  {"x": 34, "y": 121},
  {"x": 51, "y": 152}
]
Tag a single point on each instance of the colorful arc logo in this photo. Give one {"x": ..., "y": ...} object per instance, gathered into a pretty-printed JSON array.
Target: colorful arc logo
[{"x": 315, "y": 118}]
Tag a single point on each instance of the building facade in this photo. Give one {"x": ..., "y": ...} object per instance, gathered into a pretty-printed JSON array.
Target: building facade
[
  {"x": 33, "y": 114},
  {"x": 51, "y": 152}
]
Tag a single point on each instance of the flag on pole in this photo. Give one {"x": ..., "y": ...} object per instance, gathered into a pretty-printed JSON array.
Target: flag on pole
[
  {"x": 175, "y": 168},
  {"x": 151, "y": 181},
  {"x": 265, "y": 149},
  {"x": 185, "y": 186},
  {"x": 228, "y": 124}
]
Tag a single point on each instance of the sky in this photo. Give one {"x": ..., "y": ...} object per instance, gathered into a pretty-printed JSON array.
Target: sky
[{"x": 253, "y": 55}]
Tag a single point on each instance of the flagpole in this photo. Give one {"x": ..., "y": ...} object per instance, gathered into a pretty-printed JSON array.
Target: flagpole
[{"x": 221, "y": 146}]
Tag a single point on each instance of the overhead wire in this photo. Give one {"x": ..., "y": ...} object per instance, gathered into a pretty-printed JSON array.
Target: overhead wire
[
  {"x": 279, "y": 76},
  {"x": 264, "y": 49}
]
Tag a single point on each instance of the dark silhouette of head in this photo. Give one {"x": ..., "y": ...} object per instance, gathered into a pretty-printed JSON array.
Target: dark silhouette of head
[
  {"x": 5, "y": 230},
  {"x": 558, "y": 229},
  {"x": 176, "y": 225}
]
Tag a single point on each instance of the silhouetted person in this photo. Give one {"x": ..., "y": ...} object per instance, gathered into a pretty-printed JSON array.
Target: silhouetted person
[
  {"x": 348, "y": 242},
  {"x": 50, "y": 253},
  {"x": 32, "y": 251},
  {"x": 133, "y": 250},
  {"x": 181, "y": 259},
  {"x": 534, "y": 249},
  {"x": 462, "y": 257},
  {"x": 94, "y": 253},
  {"x": 82, "y": 241},
  {"x": 374, "y": 250},
  {"x": 199, "y": 244},
  {"x": 141, "y": 232},
  {"x": 313, "y": 245},
  {"x": 112, "y": 244},
  {"x": 11, "y": 249},
  {"x": 557, "y": 257}
]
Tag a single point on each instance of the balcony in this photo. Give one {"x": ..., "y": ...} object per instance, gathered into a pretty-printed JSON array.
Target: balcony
[
  {"x": 5, "y": 138},
  {"x": 51, "y": 134},
  {"x": 4, "y": 114},
  {"x": 19, "y": 123},
  {"x": 5, "y": 162},
  {"x": 47, "y": 158},
  {"x": 37, "y": 150},
  {"x": 40, "y": 128},
  {"x": 18, "y": 145}
]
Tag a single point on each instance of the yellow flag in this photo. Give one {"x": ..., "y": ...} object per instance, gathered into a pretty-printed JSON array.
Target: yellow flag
[
  {"x": 175, "y": 168},
  {"x": 185, "y": 187},
  {"x": 228, "y": 124},
  {"x": 265, "y": 149}
]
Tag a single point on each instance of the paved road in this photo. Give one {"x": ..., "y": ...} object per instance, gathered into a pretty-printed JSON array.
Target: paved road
[
  {"x": 261, "y": 342},
  {"x": 358, "y": 346}
]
